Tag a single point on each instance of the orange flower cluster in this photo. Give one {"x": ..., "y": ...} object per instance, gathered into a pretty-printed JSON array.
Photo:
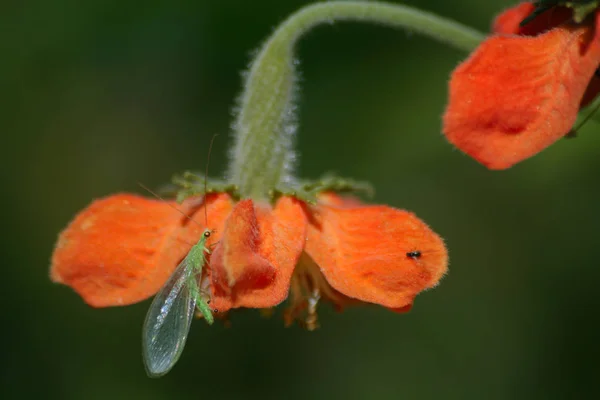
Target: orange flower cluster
[
  {"x": 122, "y": 249},
  {"x": 521, "y": 90}
]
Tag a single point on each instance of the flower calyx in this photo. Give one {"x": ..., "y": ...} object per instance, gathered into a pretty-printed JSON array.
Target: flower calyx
[
  {"x": 308, "y": 191},
  {"x": 190, "y": 184}
]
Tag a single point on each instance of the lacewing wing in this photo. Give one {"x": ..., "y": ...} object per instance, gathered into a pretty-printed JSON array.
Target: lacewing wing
[{"x": 169, "y": 318}]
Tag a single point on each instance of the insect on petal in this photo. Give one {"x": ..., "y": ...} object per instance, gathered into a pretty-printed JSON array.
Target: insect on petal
[
  {"x": 365, "y": 253},
  {"x": 122, "y": 249},
  {"x": 113, "y": 252}
]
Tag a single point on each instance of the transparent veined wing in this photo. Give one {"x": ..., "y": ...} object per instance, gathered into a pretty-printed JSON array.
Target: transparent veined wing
[{"x": 168, "y": 321}]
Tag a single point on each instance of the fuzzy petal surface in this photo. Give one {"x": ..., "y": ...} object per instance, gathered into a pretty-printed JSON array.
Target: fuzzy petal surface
[
  {"x": 362, "y": 252},
  {"x": 516, "y": 95},
  {"x": 253, "y": 263},
  {"x": 121, "y": 249}
]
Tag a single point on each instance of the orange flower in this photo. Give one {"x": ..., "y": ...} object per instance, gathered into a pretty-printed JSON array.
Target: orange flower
[
  {"x": 521, "y": 90},
  {"x": 121, "y": 250}
]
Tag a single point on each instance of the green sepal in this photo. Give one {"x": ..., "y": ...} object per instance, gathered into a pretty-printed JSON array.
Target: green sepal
[
  {"x": 191, "y": 184},
  {"x": 308, "y": 191},
  {"x": 581, "y": 9}
]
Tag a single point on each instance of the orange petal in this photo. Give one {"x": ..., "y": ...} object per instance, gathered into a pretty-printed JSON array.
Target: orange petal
[
  {"x": 253, "y": 263},
  {"x": 362, "y": 252},
  {"x": 402, "y": 310},
  {"x": 121, "y": 249},
  {"x": 509, "y": 21},
  {"x": 332, "y": 199},
  {"x": 516, "y": 95}
]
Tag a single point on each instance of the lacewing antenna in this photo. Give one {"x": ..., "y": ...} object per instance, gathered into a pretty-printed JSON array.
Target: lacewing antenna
[
  {"x": 173, "y": 207},
  {"x": 206, "y": 177},
  {"x": 169, "y": 318}
]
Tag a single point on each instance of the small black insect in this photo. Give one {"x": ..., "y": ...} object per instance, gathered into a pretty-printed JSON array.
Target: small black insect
[{"x": 415, "y": 254}]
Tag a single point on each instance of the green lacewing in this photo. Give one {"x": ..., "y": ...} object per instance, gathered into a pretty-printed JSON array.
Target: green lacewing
[
  {"x": 169, "y": 318},
  {"x": 170, "y": 315}
]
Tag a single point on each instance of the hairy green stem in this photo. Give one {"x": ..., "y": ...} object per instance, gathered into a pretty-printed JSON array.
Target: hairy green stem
[{"x": 263, "y": 157}]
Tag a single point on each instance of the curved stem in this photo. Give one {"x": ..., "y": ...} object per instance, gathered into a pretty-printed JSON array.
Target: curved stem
[{"x": 262, "y": 157}]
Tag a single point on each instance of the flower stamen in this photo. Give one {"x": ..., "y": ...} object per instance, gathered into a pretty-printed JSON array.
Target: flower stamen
[
  {"x": 311, "y": 321},
  {"x": 307, "y": 287}
]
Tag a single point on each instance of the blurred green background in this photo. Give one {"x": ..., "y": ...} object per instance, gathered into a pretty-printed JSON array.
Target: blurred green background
[{"x": 99, "y": 95}]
